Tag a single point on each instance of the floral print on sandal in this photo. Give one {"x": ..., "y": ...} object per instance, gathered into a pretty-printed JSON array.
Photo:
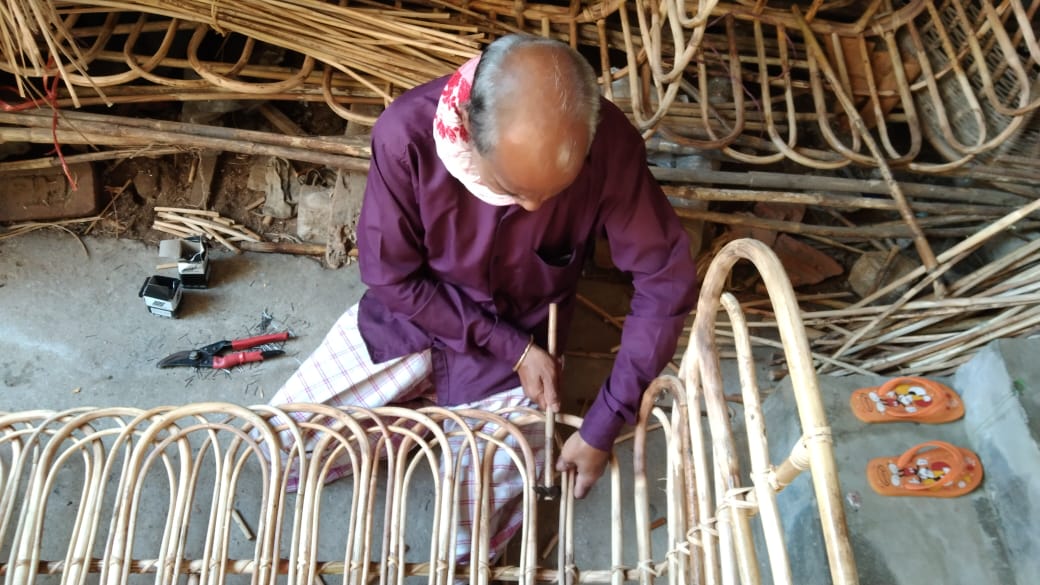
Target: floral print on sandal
[
  {"x": 907, "y": 399},
  {"x": 934, "y": 469}
]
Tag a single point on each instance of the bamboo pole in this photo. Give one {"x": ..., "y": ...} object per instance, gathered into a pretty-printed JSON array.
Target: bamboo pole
[
  {"x": 696, "y": 193},
  {"x": 125, "y": 136},
  {"x": 856, "y": 233},
  {"x": 550, "y": 417},
  {"x": 795, "y": 182},
  {"x": 53, "y": 161},
  {"x": 951, "y": 305},
  {"x": 72, "y": 120}
]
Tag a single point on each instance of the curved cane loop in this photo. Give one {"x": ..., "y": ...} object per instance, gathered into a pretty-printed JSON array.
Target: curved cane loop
[
  {"x": 169, "y": 490},
  {"x": 758, "y": 446},
  {"x": 816, "y": 442},
  {"x": 741, "y": 77}
]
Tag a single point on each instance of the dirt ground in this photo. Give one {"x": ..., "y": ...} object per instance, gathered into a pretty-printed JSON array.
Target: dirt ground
[
  {"x": 134, "y": 187},
  {"x": 130, "y": 188}
]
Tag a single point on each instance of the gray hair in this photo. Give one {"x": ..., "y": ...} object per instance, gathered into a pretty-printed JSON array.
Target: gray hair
[{"x": 488, "y": 92}]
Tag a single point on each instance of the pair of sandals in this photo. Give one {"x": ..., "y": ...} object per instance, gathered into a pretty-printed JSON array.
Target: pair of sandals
[{"x": 935, "y": 469}]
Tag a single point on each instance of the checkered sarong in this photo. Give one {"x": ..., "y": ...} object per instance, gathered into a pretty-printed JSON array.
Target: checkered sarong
[{"x": 340, "y": 373}]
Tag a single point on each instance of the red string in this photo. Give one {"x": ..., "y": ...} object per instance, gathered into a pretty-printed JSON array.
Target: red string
[{"x": 49, "y": 98}]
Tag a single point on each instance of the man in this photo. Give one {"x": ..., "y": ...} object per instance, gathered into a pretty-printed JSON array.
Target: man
[{"x": 485, "y": 193}]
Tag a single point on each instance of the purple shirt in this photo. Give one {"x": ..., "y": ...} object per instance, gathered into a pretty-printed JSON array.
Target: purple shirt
[{"x": 471, "y": 281}]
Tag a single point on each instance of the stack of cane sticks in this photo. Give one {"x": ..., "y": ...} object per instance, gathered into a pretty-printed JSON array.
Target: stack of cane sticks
[
  {"x": 182, "y": 222},
  {"x": 906, "y": 326},
  {"x": 201, "y": 491},
  {"x": 930, "y": 86}
]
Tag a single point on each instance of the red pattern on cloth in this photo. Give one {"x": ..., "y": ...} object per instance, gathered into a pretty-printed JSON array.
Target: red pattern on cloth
[
  {"x": 455, "y": 93},
  {"x": 453, "y": 142}
]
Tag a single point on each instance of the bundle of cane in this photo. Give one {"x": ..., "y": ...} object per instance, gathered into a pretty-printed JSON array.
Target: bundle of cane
[{"x": 182, "y": 222}]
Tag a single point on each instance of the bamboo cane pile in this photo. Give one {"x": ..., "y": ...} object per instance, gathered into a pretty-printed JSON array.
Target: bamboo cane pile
[
  {"x": 917, "y": 87},
  {"x": 221, "y": 505},
  {"x": 932, "y": 86},
  {"x": 942, "y": 331},
  {"x": 873, "y": 89},
  {"x": 925, "y": 321},
  {"x": 209, "y": 224},
  {"x": 377, "y": 50}
]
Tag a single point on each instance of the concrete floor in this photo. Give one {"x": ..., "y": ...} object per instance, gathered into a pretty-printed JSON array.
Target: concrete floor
[
  {"x": 73, "y": 333},
  {"x": 986, "y": 536}
]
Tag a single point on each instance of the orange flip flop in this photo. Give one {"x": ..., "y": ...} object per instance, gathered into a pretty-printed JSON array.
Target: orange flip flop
[
  {"x": 910, "y": 399},
  {"x": 935, "y": 469}
]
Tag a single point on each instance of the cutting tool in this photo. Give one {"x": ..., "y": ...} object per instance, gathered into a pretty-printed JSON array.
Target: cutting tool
[{"x": 207, "y": 356}]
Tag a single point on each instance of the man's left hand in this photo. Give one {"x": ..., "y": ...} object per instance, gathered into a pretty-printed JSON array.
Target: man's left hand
[{"x": 588, "y": 461}]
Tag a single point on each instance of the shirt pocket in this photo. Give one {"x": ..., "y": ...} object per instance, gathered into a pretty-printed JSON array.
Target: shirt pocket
[
  {"x": 554, "y": 272},
  {"x": 556, "y": 257}
]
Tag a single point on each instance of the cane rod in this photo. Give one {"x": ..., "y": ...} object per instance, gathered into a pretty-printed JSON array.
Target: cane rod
[{"x": 549, "y": 491}]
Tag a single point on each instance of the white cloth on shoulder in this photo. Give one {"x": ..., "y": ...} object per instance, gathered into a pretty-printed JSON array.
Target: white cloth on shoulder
[{"x": 453, "y": 143}]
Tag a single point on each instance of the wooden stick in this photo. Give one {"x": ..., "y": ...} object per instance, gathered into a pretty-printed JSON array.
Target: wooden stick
[
  {"x": 255, "y": 204},
  {"x": 947, "y": 259},
  {"x": 550, "y": 415},
  {"x": 279, "y": 120},
  {"x": 302, "y": 249},
  {"x": 123, "y": 136},
  {"x": 202, "y": 132},
  {"x": 789, "y": 182},
  {"x": 185, "y": 210},
  {"x": 549, "y": 546},
  {"x": 958, "y": 305},
  {"x": 888, "y": 230},
  {"x": 54, "y": 161},
  {"x": 175, "y": 229},
  {"x": 567, "y": 512},
  {"x": 241, "y": 523},
  {"x": 697, "y": 193},
  {"x": 215, "y": 234}
]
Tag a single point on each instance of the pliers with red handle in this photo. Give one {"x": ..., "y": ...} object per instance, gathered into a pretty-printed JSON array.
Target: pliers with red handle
[{"x": 206, "y": 357}]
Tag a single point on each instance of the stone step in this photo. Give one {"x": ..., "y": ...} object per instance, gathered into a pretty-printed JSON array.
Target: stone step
[
  {"x": 1001, "y": 390},
  {"x": 988, "y": 536}
]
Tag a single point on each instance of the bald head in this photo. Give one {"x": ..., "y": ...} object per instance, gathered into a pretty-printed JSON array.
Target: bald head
[{"x": 532, "y": 115}]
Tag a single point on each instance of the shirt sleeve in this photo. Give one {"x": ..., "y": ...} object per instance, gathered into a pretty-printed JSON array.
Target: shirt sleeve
[
  {"x": 648, "y": 241},
  {"x": 391, "y": 256}
]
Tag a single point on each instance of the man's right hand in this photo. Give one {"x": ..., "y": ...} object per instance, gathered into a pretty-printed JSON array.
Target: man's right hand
[{"x": 539, "y": 372}]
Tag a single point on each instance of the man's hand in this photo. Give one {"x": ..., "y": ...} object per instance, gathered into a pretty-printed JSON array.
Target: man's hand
[
  {"x": 588, "y": 461},
  {"x": 539, "y": 372}
]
